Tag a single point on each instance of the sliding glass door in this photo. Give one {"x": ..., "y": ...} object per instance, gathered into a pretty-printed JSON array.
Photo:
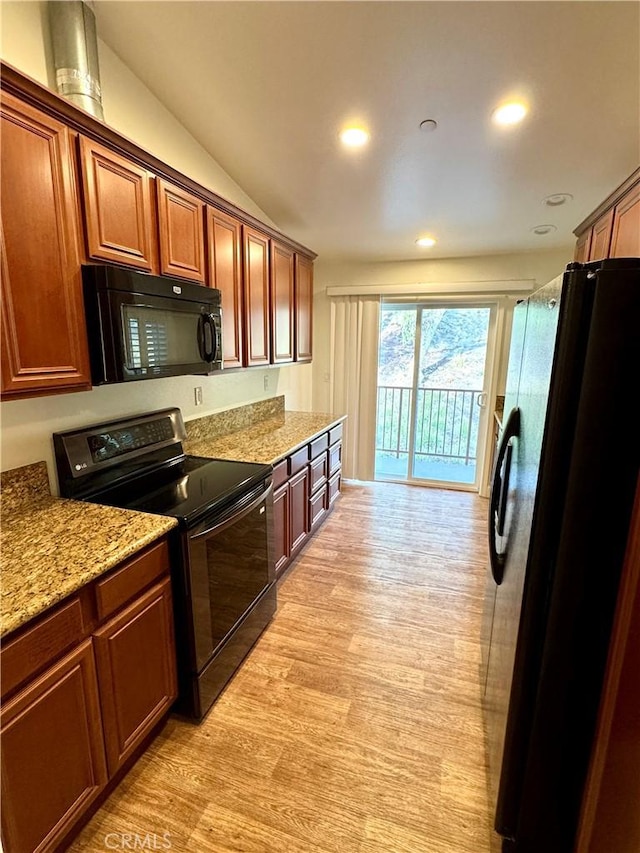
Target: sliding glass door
[{"x": 432, "y": 392}]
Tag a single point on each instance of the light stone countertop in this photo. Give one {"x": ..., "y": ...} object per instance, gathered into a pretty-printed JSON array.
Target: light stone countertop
[
  {"x": 268, "y": 441},
  {"x": 50, "y": 547}
]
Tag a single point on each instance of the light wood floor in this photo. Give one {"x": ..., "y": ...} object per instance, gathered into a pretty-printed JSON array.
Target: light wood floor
[{"x": 355, "y": 724}]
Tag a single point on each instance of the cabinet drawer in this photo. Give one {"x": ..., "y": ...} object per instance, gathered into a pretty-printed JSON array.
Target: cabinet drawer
[
  {"x": 318, "y": 473},
  {"x": 125, "y": 583},
  {"x": 335, "y": 457},
  {"x": 335, "y": 434},
  {"x": 333, "y": 488},
  {"x": 317, "y": 508},
  {"x": 41, "y": 644},
  {"x": 318, "y": 445},
  {"x": 280, "y": 473},
  {"x": 298, "y": 460}
]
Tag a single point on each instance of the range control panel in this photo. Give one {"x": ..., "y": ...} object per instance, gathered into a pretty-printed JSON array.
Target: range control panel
[
  {"x": 106, "y": 445},
  {"x": 101, "y": 446}
]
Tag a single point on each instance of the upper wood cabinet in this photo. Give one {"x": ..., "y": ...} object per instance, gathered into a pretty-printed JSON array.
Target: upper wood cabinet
[
  {"x": 303, "y": 308},
  {"x": 181, "y": 228},
  {"x": 44, "y": 346},
  {"x": 613, "y": 229},
  {"x": 224, "y": 235},
  {"x": 282, "y": 305},
  {"x": 601, "y": 237},
  {"x": 256, "y": 296},
  {"x": 118, "y": 213},
  {"x": 625, "y": 237},
  {"x": 583, "y": 247}
]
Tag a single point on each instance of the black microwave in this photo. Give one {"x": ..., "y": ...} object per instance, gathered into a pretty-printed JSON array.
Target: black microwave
[{"x": 143, "y": 326}]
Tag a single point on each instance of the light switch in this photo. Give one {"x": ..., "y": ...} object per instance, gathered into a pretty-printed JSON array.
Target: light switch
[{"x": 197, "y": 392}]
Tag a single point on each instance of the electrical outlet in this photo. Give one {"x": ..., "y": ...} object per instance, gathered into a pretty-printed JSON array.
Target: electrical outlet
[
  {"x": 266, "y": 382},
  {"x": 197, "y": 393}
]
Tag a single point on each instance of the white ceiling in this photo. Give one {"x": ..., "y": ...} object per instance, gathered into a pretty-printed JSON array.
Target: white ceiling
[{"x": 265, "y": 87}]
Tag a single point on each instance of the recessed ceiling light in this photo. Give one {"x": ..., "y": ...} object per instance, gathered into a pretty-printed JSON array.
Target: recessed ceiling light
[
  {"x": 354, "y": 137},
  {"x": 428, "y": 125},
  {"x": 557, "y": 199},
  {"x": 510, "y": 113},
  {"x": 541, "y": 230},
  {"x": 426, "y": 242}
]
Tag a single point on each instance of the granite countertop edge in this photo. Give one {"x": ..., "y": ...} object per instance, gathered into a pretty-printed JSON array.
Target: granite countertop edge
[
  {"x": 262, "y": 443},
  {"x": 41, "y": 566}
]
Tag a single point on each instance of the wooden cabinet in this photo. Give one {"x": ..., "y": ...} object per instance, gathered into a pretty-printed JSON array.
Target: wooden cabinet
[
  {"x": 44, "y": 346},
  {"x": 282, "y": 304},
  {"x": 601, "y": 237},
  {"x": 613, "y": 229},
  {"x": 281, "y": 522},
  {"x": 137, "y": 677},
  {"x": 625, "y": 237},
  {"x": 224, "y": 235},
  {"x": 583, "y": 246},
  {"x": 256, "y": 296},
  {"x": 73, "y": 190},
  {"x": 81, "y": 695},
  {"x": 306, "y": 485},
  {"x": 303, "y": 308},
  {"x": 118, "y": 211},
  {"x": 299, "y": 509},
  {"x": 181, "y": 230},
  {"x": 53, "y": 763}
]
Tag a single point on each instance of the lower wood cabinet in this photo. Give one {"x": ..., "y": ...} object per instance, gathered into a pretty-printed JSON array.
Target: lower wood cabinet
[
  {"x": 306, "y": 485},
  {"x": 68, "y": 723},
  {"x": 53, "y": 763},
  {"x": 136, "y": 675},
  {"x": 281, "y": 518},
  {"x": 299, "y": 509}
]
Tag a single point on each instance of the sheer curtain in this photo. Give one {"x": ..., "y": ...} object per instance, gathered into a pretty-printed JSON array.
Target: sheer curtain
[{"x": 354, "y": 374}]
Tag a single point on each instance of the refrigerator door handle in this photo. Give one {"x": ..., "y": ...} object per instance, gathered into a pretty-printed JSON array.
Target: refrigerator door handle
[{"x": 499, "y": 493}]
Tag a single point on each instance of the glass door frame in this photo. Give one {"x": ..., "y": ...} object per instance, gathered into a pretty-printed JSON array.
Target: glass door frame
[{"x": 497, "y": 306}]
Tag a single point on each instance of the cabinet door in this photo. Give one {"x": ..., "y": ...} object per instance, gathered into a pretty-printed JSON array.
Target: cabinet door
[
  {"x": 256, "y": 296},
  {"x": 282, "y": 307},
  {"x": 225, "y": 273},
  {"x": 304, "y": 308},
  {"x": 135, "y": 655},
  {"x": 299, "y": 509},
  {"x": 52, "y": 754},
  {"x": 282, "y": 543},
  {"x": 181, "y": 226},
  {"x": 44, "y": 342},
  {"x": 118, "y": 212},
  {"x": 583, "y": 245},
  {"x": 625, "y": 240},
  {"x": 601, "y": 237}
]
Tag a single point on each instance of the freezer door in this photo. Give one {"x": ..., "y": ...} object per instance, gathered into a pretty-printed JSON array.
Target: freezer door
[
  {"x": 495, "y": 699},
  {"x": 593, "y": 528},
  {"x": 515, "y": 520}
]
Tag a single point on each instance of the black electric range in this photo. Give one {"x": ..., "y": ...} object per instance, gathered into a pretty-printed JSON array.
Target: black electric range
[{"x": 223, "y": 568}]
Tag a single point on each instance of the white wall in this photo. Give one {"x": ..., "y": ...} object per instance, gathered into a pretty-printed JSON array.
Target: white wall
[
  {"x": 436, "y": 275},
  {"x": 133, "y": 111}
]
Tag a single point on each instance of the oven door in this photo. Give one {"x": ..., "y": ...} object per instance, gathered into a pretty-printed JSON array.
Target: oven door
[
  {"x": 230, "y": 563},
  {"x": 152, "y": 336}
]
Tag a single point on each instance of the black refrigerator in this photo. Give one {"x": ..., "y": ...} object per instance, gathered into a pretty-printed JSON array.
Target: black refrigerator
[{"x": 563, "y": 487}]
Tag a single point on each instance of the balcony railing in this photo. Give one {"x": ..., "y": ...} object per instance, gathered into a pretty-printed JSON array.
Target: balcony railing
[{"x": 446, "y": 423}]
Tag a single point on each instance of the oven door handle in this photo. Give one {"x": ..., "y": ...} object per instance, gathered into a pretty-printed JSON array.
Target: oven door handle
[{"x": 234, "y": 517}]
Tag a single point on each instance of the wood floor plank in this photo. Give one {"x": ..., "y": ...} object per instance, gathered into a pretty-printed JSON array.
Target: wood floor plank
[{"x": 355, "y": 724}]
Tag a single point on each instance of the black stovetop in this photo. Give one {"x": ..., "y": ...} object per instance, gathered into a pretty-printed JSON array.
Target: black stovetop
[{"x": 188, "y": 489}]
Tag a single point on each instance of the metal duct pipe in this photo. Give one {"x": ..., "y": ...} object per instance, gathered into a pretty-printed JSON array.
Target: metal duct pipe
[{"x": 75, "y": 53}]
